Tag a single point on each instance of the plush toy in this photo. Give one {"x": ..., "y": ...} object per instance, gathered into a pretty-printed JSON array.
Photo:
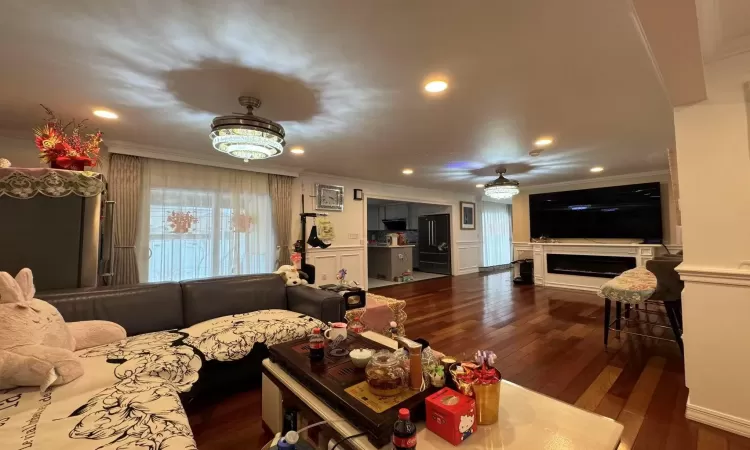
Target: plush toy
[
  {"x": 36, "y": 345},
  {"x": 292, "y": 276}
]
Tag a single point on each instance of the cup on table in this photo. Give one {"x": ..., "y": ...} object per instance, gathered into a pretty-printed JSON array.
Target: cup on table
[{"x": 336, "y": 329}]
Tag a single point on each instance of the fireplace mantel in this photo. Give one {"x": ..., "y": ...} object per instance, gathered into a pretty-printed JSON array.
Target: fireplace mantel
[{"x": 542, "y": 277}]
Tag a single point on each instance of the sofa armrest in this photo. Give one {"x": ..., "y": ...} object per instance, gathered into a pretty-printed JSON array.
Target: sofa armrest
[{"x": 323, "y": 305}]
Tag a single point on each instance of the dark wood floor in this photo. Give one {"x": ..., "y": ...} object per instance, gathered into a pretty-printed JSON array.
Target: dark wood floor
[{"x": 548, "y": 340}]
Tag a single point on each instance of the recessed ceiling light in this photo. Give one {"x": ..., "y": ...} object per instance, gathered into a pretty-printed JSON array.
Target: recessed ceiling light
[
  {"x": 407, "y": 171},
  {"x": 480, "y": 185},
  {"x": 597, "y": 169},
  {"x": 105, "y": 114},
  {"x": 543, "y": 142},
  {"x": 297, "y": 150},
  {"x": 436, "y": 86}
]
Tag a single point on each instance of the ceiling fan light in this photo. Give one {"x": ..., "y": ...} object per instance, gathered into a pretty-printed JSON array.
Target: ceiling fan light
[
  {"x": 247, "y": 136},
  {"x": 501, "y": 188}
]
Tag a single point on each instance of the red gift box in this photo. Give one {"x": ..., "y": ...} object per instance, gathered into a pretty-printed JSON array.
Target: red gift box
[{"x": 450, "y": 415}]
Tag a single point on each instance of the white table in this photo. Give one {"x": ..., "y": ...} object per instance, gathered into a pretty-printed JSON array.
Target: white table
[{"x": 528, "y": 420}]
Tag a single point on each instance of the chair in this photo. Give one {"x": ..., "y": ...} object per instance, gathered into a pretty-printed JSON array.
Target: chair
[
  {"x": 669, "y": 290},
  {"x": 658, "y": 284}
]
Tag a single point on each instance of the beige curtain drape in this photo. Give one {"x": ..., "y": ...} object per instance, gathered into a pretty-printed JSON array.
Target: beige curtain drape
[
  {"x": 125, "y": 190},
  {"x": 280, "y": 188}
]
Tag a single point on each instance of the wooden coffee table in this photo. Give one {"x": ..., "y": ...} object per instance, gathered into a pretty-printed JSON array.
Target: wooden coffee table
[
  {"x": 528, "y": 420},
  {"x": 332, "y": 378}
]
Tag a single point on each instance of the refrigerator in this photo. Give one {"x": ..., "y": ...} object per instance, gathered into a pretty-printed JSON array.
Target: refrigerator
[
  {"x": 435, "y": 243},
  {"x": 67, "y": 242}
]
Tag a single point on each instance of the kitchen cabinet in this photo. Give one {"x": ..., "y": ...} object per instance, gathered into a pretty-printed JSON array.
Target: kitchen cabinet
[{"x": 387, "y": 263}]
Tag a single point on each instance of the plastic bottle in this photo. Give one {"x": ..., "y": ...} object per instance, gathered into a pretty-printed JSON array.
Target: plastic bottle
[
  {"x": 317, "y": 346},
  {"x": 404, "y": 432}
]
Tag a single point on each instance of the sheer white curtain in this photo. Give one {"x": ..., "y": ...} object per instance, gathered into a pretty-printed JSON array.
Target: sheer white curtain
[
  {"x": 496, "y": 233},
  {"x": 200, "y": 221}
]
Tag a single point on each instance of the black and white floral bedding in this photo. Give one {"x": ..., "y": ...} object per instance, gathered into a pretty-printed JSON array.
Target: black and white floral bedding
[
  {"x": 128, "y": 398},
  {"x": 129, "y": 395},
  {"x": 231, "y": 338}
]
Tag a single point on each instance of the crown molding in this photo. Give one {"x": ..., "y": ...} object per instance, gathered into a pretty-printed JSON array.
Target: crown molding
[
  {"x": 614, "y": 178},
  {"x": 166, "y": 154},
  {"x": 715, "y": 44},
  {"x": 446, "y": 193}
]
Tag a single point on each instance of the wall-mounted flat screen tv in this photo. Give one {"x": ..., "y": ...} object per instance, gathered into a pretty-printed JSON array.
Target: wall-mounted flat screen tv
[{"x": 632, "y": 211}]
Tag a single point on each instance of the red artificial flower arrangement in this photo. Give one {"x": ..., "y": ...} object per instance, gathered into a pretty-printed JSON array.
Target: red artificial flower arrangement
[{"x": 62, "y": 150}]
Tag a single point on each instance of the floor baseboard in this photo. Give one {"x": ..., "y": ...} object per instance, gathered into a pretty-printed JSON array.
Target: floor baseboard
[{"x": 718, "y": 419}]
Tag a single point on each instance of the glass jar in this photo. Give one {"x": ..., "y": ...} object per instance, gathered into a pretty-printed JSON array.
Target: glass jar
[{"x": 385, "y": 375}]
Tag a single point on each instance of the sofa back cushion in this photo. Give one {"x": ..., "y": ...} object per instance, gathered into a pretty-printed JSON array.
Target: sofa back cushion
[
  {"x": 139, "y": 308},
  {"x": 216, "y": 297}
]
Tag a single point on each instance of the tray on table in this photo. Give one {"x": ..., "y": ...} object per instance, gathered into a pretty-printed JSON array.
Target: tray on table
[{"x": 330, "y": 378}]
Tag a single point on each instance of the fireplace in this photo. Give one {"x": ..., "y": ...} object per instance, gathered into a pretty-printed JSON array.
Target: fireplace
[{"x": 589, "y": 265}]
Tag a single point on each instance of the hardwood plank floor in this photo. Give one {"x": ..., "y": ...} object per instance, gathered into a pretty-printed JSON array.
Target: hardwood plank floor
[{"x": 548, "y": 340}]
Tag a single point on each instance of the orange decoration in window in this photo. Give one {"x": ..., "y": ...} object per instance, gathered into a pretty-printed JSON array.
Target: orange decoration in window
[
  {"x": 242, "y": 223},
  {"x": 181, "y": 221}
]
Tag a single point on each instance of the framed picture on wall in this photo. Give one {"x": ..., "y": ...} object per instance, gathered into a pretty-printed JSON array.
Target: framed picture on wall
[{"x": 468, "y": 216}]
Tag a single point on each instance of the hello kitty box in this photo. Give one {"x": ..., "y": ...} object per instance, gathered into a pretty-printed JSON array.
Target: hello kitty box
[{"x": 450, "y": 415}]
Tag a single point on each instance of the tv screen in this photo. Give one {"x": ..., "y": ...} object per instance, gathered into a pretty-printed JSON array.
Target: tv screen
[{"x": 632, "y": 211}]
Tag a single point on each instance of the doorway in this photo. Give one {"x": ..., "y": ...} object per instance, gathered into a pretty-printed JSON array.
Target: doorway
[{"x": 407, "y": 242}]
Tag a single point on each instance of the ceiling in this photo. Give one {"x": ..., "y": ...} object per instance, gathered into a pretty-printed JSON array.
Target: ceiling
[{"x": 345, "y": 80}]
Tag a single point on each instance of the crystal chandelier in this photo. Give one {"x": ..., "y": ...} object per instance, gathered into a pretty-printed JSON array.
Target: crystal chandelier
[
  {"x": 247, "y": 136},
  {"x": 502, "y": 187}
]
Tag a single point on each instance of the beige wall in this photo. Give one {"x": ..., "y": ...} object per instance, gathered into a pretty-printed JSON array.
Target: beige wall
[
  {"x": 21, "y": 152},
  {"x": 521, "y": 226}
]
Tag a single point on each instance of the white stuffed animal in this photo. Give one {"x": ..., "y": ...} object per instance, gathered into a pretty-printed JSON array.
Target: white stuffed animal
[
  {"x": 291, "y": 276},
  {"x": 36, "y": 345}
]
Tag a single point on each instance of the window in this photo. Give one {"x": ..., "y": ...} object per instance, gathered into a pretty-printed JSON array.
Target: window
[
  {"x": 496, "y": 234},
  {"x": 204, "y": 222}
]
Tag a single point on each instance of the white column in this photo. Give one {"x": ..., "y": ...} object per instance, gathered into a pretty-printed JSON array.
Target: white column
[{"x": 713, "y": 160}]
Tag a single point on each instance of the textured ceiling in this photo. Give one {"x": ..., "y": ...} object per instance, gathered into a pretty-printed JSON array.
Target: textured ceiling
[{"x": 345, "y": 80}]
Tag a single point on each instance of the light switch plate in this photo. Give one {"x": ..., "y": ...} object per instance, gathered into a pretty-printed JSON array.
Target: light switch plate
[{"x": 353, "y": 236}]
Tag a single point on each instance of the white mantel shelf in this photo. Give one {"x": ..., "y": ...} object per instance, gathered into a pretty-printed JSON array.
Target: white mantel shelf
[
  {"x": 591, "y": 244},
  {"x": 539, "y": 251}
]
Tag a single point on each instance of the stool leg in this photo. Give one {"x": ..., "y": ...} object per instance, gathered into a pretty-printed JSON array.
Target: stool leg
[
  {"x": 618, "y": 317},
  {"x": 675, "y": 323},
  {"x": 607, "y": 308},
  {"x": 678, "y": 309}
]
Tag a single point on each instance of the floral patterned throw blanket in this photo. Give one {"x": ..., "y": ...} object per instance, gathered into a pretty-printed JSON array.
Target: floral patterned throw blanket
[{"x": 129, "y": 395}]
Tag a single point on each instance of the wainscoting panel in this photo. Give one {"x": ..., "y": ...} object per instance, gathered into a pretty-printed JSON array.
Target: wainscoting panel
[
  {"x": 469, "y": 255},
  {"x": 352, "y": 262},
  {"x": 329, "y": 261}
]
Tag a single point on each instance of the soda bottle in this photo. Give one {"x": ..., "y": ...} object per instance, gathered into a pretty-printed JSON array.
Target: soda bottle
[
  {"x": 404, "y": 432},
  {"x": 317, "y": 345}
]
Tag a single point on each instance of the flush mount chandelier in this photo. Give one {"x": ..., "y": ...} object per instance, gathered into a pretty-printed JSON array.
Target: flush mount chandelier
[
  {"x": 502, "y": 187},
  {"x": 247, "y": 136}
]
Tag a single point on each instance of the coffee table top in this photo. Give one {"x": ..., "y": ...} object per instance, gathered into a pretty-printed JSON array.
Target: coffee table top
[{"x": 528, "y": 420}]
